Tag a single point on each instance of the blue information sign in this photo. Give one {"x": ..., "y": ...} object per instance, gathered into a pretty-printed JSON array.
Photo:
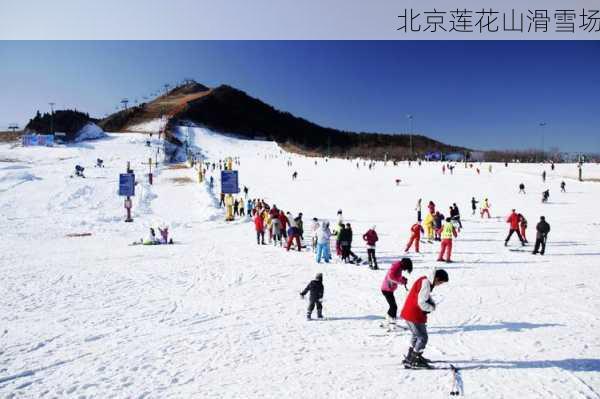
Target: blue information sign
[
  {"x": 229, "y": 182},
  {"x": 126, "y": 184}
]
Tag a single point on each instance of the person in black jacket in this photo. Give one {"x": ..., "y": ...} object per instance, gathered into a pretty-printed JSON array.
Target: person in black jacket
[
  {"x": 345, "y": 238},
  {"x": 542, "y": 228},
  {"x": 316, "y": 289}
]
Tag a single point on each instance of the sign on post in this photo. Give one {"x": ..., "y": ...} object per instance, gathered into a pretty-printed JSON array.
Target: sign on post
[
  {"x": 126, "y": 184},
  {"x": 229, "y": 182}
]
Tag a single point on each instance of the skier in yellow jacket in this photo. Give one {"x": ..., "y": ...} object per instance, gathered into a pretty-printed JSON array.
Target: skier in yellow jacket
[{"x": 428, "y": 224}]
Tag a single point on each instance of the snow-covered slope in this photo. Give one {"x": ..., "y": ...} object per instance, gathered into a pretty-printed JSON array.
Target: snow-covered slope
[{"x": 218, "y": 316}]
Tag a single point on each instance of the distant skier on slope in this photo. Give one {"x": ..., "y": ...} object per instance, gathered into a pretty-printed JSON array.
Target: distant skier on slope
[
  {"x": 521, "y": 188},
  {"x": 417, "y": 306},
  {"x": 523, "y": 227},
  {"x": 316, "y": 289},
  {"x": 474, "y": 203},
  {"x": 562, "y": 187},
  {"x": 392, "y": 280},
  {"x": 485, "y": 208}
]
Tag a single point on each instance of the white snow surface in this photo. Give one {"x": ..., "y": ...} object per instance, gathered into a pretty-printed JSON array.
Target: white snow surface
[
  {"x": 152, "y": 126},
  {"x": 218, "y": 316},
  {"x": 90, "y": 131}
]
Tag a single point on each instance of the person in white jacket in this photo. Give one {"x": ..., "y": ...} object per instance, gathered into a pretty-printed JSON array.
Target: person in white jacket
[
  {"x": 323, "y": 236},
  {"x": 314, "y": 228}
]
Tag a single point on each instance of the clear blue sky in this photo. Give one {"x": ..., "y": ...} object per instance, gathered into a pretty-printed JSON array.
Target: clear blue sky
[{"x": 480, "y": 94}]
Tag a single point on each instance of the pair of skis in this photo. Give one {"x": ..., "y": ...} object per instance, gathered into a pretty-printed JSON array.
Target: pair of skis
[{"x": 457, "y": 382}]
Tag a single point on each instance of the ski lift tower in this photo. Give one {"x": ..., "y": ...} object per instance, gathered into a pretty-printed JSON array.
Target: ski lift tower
[
  {"x": 51, "y": 104},
  {"x": 13, "y": 127},
  {"x": 124, "y": 102}
]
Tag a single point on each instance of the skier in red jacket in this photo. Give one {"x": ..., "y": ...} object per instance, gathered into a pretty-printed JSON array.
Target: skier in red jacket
[
  {"x": 416, "y": 230},
  {"x": 371, "y": 238},
  {"x": 416, "y": 307},
  {"x": 259, "y": 225},
  {"x": 513, "y": 220}
]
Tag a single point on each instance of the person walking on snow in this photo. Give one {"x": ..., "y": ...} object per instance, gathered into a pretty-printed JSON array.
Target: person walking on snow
[
  {"x": 562, "y": 187},
  {"x": 316, "y": 289},
  {"x": 513, "y": 220},
  {"x": 314, "y": 229},
  {"x": 415, "y": 236},
  {"x": 371, "y": 238},
  {"x": 474, "y": 203},
  {"x": 417, "y": 306},
  {"x": 293, "y": 233},
  {"x": 521, "y": 188},
  {"x": 523, "y": 227},
  {"x": 418, "y": 209},
  {"x": 276, "y": 228},
  {"x": 455, "y": 215},
  {"x": 542, "y": 230},
  {"x": 283, "y": 223},
  {"x": 485, "y": 208},
  {"x": 429, "y": 226},
  {"x": 259, "y": 225},
  {"x": 448, "y": 230},
  {"x": 392, "y": 280},
  {"x": 544, "y": 177},
  {"x": 323, "y": 236}
]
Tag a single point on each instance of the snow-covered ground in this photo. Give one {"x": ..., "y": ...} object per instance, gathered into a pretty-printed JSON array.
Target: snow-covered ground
[
  {"x": 152, "y": 126},
  {"x": 218, "y": 316}
]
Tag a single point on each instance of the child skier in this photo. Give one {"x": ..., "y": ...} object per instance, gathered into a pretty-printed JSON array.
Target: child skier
[
  {"x": 316, "y": 289},
  {"x": 417, "y": 306},
  {"x": 371, "y": 238},
  {"x": 474, "y": 203},
  {"x": 392, "y": 280},
  {"x": 523, "y": 227},
  {"x": 428, "y": 223},
  {"x": 415, "y": 237},
  {"x": 448, "y": 230},
  {"x": 485, "y": 208}
]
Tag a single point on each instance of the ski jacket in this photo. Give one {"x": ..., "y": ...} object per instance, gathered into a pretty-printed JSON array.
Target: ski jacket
[
  {"x": 276, "y": 225},
  {"x": 323, "y": 235},
  {"x": 418, "y": 302},
  {"x": 393, "y": 278},
  {"x": 439, "y": 220},
  {"x": 416, "y": 230},
  {"x": 316, "y": 289},
  {"x": 283, "y": 219},
  {"x": 542, "y": 228},
  {"x": 474, "y": 204},
  {"x": 345, "y": 236},
  {"x": 513, "y": 219},
  {"x": 448, "y": 231},
  {"x": 523, "y": 222},
  {"x": 371, "y": 238},
  {"x": 259, "y": 223},
  {"x": 314, "y": 228},
  {"x": 486, "y": 204}
]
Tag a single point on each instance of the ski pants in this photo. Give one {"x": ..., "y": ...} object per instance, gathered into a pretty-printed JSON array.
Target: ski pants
[
  {"x": 291, "y": 238},
  {"x": 485, "y": 211},
  {"x": 235, "y": 211},
  {"x": 311, "y": 305},
  {"x": 522, "y": 228},
  {"x": 345, "y": 252},
  {"x": 413, "y": 238},
  {"x": 393, "y": 307},
  {"x": 242, "y": 211},
  {"x": 276, "y": 237},
  {"x": 419, "y": 337},
  {"x": 314, "y": 244},
  {"x": 338, "y": 248},
  {"x": 446, "y": 247},
  {"x": 429, "y": 232},
  {"x": 510, "y": 233},
  {"x": 540, "y": 242},
  {"x": 260, "y": 236},
  {"x": 419, "y": 216},
  {"x": 323, "y": 251},
  {"x": 372, "y": 257}
]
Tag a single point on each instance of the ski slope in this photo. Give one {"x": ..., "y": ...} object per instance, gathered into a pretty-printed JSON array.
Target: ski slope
[{"x": 217, "y": 316}]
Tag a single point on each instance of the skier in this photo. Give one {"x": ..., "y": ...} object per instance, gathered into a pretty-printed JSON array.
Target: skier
[
  {"x": 99, "y": 163},
  {"x": 276, "y": 228},
  {"x": 448, "y": 231},
  {"x": 222, "y": 200},
  {"x": 164, "y": 235},
  {"x": 438, "y": 221},
  {"x": 245, "y": 192},
  {"x": 316, "y": 289},
  {"x": 294, "y": 175},
  {"x": 415, "y": 237},
  {"x": 545, "y": 195},
  {"x": 355, "y": 259},
  {"x": 474, "y": 203},
  {"x": 293, "y": 233},
  {"x": 314, "y": 228},
  {"x": 523, "y": 227},
  {"x": 392, "y": 280},
  {"x": 235, "y": 208},
  {"x": 241, "y": 206},
  {"x": 562, "y": 187},
  {"x": 542, "y": 230},
  {"x": 521, "y": 188},
  {"x": 249, "y": 207},
  {"x": 417, "y": 306},
  {"x": 371, "y": 238},
  {"x": 79, "y": 171},
  {"x": 428, "y": 223},
  {"x": 344, "y": 239},
  {"x": 323, "y": 236},
  {"x": 418, "y": 209},
  {"x": 151, "y": 240},
  {"x": 284, "y": 222},
  {"x": 513, "y": 220},
  {"x": 455, "y": 215},
  {"x": 544, "y": 176},
  {"x": 485, "y": 208},
  {"x": 211, "y": 182},
  {"x": 259, "y": 226}
]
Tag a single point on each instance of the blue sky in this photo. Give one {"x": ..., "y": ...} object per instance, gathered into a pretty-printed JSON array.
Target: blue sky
[{"x": 480, "y": 94}]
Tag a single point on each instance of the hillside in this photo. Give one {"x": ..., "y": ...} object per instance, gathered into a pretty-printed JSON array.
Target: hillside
[{"x": 229, "y": 110}]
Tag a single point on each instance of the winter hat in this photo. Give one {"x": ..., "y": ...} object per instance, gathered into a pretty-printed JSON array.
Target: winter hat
[
  {"x": 407, "y": 264},
  {"x": 319, "y": 277},
  {"x": 315, "y": 219},
  {"x": 441, "y": 275},
  {"x": 542, "y": 218}
]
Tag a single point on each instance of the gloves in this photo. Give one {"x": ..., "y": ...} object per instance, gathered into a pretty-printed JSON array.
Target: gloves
[
  {"x": 403, "y": 280},
  {"x": 302, "y": 295}
]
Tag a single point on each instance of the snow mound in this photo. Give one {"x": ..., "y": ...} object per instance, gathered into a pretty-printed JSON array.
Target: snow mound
[
  {"x": 91, "y": 131},
  {"x": 13, "y": 179}
]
